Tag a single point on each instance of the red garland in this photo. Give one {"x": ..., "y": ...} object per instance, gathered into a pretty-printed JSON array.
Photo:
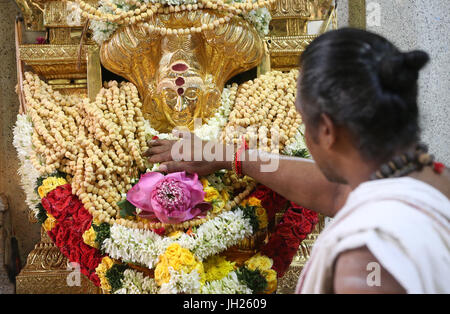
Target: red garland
[
  {"x": 283, "y": 244},
  {"x": 270, "y": 200},
  {"x": 73, "y": 220}
]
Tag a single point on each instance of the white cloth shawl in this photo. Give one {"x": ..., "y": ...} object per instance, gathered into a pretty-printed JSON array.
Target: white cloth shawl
[{"x": 405, "y": 225}]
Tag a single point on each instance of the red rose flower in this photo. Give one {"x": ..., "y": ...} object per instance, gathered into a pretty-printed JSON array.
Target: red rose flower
[
  {"x": 73, "y": 221},
  {"x": 94, "y": 278}
]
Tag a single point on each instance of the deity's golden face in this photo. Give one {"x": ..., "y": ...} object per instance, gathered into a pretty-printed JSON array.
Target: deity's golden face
[
  {"x": 180, "y": 77},
  {"x": 180, "y": 87}
]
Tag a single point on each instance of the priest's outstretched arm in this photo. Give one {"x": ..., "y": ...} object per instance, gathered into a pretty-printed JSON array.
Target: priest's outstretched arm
[{"x": 297, "y": 179}]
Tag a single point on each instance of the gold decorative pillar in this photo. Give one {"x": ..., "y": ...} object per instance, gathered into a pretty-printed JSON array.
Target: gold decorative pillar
[
  {"x": 288, "y": 35},
  {"x": 47, "y": 271},
  {"x": 66, "y": 65},
  {"x": 357, "y": 13}
]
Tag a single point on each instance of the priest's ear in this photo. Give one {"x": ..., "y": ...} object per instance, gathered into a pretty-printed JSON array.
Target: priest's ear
[{"x": 327, "y": 131}]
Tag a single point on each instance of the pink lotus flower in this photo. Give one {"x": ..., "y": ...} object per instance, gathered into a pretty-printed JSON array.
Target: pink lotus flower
[{"x": 173, "y": 198}]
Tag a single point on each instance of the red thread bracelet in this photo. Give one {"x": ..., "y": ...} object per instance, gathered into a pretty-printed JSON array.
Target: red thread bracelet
[{"x": 237, "y": 162}]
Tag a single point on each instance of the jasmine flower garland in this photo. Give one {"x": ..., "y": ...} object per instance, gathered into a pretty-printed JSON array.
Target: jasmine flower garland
[
  {"x": 212, "y": 130},
  {"x": 134, "y": 282},
  {"x": 180, "y": 282},
  {"x": 23, "y": 132},
  {"x": 227, "y": 285},
  {"x": 298, "y": 145},
  {"x": 102, "y": 31},
  {"x": 144, "y": 246}
]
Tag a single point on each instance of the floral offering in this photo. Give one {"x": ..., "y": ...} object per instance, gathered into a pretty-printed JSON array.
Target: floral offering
[{"x": 135, "y": 230}]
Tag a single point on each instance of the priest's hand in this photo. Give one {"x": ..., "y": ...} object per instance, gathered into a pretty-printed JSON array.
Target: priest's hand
[{"x": 189, "y": 154}]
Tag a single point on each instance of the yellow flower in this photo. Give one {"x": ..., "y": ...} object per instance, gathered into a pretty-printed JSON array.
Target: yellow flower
[
  {"x": 225, "y": 195},
  {"x": 49, "y": 223},
  {"x": 162, "y": 274},
  {"x": 244, "y": 202},
  {"x": 253, "y": 201},
  {"x": 50, "y": 184},
  {"x": 271, "y": 278},
  {"x": 179, "y": 259},
  {"x": 259, "y": 262},
  {"x": 211, "y": 194},
  {"x": 217, "y": 267},
  {"x": 89, "y": 237},
  {"x": 271, "y": 287},
  {"x": 101, "y": 270},
  {"x": 204, "y": 182},
  {"x": 270, "y": 275},
  {"x": 261, "y": 214},
  {"x": 175, "y": 234}
]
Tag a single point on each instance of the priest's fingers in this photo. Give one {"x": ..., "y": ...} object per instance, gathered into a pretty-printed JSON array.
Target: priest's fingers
[
  {"x": 162, "y": 157},
  {"x": 158, "y": 142},
  {"x": 155, "y": 150},
  {"x": 172, "y": 166},
  {"x": 162, "y": 145}
]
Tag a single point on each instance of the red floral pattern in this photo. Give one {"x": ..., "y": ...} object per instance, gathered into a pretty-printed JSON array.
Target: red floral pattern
[
  {"x": 270, "y": 200},
  {"x": 72, "y": 221},
  {"x": 283, "y": 244}
]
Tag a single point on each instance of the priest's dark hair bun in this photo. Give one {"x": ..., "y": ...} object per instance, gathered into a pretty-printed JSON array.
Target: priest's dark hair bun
[
  {"x": 401, "y": 70},
  {"x": 365, "y": 84}
]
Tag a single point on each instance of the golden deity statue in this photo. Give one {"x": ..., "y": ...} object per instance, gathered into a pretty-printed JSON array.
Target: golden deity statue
[
  {"x": 181, "y": 77},
  {"x": 180, "y": 61}
]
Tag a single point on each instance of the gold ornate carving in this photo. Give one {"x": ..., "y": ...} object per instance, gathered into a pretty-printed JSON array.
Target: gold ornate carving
[
  {"x": 50, "y": 53},
  {"x": 304, "y": 9},
  {"x": 289, "y": 44},
  {"x": 32, "y": 12},
  {"x": 58, "y": 64},
  {"x": 208, "y": 60},
  {"x": 285, "y": 51},
  {"x": 47, "y": 271}
]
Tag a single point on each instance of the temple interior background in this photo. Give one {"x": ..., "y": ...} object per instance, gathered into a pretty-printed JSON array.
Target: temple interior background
[{"x": 411, "y": 24}]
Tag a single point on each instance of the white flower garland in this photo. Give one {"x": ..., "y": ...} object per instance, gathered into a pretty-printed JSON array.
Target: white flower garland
[
  {"x": 135, "y": 282},
  {"x": 260, "y": 19},
  {"x": 181, "y": 282},
  {"x": 298, "y": 143},
  {"x": 102, "y": 31},
  {"x": 23, "y": 132},
  {"x": 145, "y": 246},
  {"x": 227, "y": 285},
  {"x": 212, "y": 130}
]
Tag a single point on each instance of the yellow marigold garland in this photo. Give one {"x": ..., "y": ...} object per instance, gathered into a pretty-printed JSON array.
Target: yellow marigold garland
[
  {"x": 264, "y": 264},
  {"x": 50, "y": 184},
  {"x": 217, "y": 267},
  {"x": 49, "y": 223},
  {"x": 180, "y": 259},
  {"x": 89, "y": 237},
  {"x": 101, "y": 270}
]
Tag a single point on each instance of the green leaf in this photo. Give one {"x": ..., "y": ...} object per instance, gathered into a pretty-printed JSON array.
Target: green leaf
[
  {"x": 102, "y": 232},
  {"x": 253, "y": 279},
  {"x": 302, "y": 153},
  {"x": 126, "y": 208},
  {"x": 115, "y": 276},
  {"x": 42, "y": 214},
  {"x": 249, "y": 213}
]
